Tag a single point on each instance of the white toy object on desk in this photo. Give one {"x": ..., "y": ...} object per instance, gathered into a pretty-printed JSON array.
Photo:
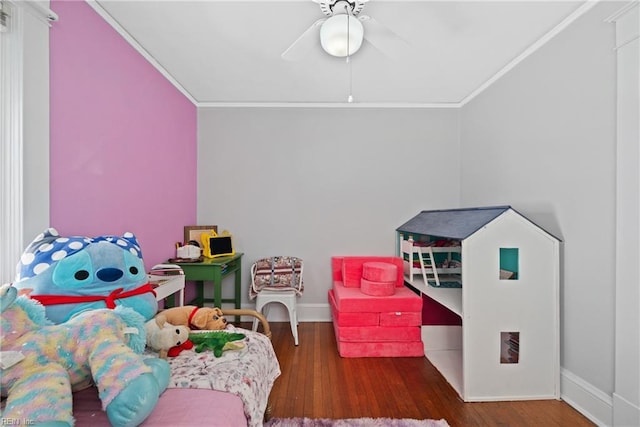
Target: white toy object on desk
[{"x": 188, "y": 252}]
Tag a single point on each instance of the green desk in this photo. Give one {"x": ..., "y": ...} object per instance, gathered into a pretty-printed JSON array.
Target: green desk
[{"x": 213, "y": 270}]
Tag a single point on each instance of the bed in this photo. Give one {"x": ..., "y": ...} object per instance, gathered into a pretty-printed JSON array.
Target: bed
[{"x": 227, "y": 391}]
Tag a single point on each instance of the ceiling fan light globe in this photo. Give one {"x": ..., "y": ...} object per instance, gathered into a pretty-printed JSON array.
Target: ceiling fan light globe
[{"x": 333, "y": 35}]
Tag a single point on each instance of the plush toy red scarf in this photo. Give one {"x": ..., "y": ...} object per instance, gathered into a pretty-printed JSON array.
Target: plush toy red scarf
[{"x": 110, "y": 300}]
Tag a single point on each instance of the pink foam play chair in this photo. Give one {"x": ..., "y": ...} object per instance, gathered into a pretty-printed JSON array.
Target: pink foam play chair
[{"x": 374, "y": 325}]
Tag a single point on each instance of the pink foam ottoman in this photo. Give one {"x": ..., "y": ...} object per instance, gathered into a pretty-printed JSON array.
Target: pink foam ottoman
[
  {"x": 377, "y": 289},
  {"x": 379, "y": 271}
]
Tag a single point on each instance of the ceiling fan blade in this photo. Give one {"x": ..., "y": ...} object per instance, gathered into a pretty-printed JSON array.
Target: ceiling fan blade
[
  {"x": 304, "y": 43},
  {"x": 384, "y": 39}
]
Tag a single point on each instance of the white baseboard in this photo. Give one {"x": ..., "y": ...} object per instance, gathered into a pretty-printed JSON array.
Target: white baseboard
[
  {"x": 586, "y": 399},
  {"x": 625, "y": 413},
  {"x": 306, "y": 313},
  {"x": 314, "y": 313}
]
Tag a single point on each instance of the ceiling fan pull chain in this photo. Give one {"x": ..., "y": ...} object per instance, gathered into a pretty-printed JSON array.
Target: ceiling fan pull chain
[
  {"x": 350, "y": 97},
  {"x": 346, "y": 9}
]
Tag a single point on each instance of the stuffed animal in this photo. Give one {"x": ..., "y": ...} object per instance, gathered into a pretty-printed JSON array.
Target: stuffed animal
[
  {"x": 217, "y": 341},
  {"x": 208, "y": 318},
  {"x": 55, "y": 360},
  {"x": 72, "y": 274},
  {"x": 167, "y": 339}
]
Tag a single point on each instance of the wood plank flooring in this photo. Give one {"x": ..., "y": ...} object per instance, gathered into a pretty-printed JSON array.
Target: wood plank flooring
[{"x": 317, "y": 383}]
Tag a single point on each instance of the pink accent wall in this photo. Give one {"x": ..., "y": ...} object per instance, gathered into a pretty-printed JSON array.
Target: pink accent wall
[{"x": 123, "y": 139}]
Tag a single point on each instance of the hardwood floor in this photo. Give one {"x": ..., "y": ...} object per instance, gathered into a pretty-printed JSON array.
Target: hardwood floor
[{"x": 317, "y": 383}]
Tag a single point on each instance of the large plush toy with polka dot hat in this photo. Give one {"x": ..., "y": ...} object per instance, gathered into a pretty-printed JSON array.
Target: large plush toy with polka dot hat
[
  {"x": 69, "y": 275},
  {"x": 43, "y": 363}
]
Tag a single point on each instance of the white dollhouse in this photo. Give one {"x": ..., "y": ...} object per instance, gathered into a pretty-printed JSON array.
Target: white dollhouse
[{"x": 500, "y": 273}]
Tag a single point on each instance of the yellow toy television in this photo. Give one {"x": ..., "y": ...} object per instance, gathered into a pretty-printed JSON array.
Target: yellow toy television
[{"x": 214, "y": 245}]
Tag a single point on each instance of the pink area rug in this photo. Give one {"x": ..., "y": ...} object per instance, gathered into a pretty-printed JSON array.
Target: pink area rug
[{"x": 354, "y": 422}]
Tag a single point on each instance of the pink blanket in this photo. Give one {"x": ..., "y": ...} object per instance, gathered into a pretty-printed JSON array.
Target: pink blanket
[{"x": 177, "y": 407}]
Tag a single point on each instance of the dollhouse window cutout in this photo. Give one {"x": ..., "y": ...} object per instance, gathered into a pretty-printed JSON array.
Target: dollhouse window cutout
[
  {"x": 509, "y": 263},
  {"x": 509, "y": 347}
]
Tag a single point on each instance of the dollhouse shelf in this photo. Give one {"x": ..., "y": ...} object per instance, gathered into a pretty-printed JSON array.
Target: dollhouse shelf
[
  {"x": 491, "y": 323},
  {"x": 448, "y": 297}
]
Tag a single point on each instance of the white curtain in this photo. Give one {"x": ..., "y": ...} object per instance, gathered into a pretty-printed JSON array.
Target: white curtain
[
  {"x": 11, "y": 139},
  {"x": 24, "y": 64}
]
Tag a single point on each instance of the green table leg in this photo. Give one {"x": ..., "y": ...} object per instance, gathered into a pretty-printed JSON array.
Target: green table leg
[
  {"x": 199, "y": 300},
  {"x": 217, "y": 287},
  {"x": 237, "y": 290}
]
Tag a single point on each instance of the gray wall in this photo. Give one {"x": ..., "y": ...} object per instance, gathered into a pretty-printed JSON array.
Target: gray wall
[
  {"x": 318, "y": 182},
  {"x": 543, "y": 140}
]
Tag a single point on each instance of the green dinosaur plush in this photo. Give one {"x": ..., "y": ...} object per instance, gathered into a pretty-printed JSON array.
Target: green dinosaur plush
[{"x": 217, "y": 341}]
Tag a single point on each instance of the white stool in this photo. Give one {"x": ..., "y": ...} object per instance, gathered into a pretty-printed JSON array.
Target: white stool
[{"x": 286, "y": 298}]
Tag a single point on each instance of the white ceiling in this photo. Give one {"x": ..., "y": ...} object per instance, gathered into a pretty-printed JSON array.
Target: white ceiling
[{"x": 229, "y": 52}]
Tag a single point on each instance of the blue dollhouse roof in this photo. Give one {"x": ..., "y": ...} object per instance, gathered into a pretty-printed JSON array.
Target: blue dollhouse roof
[{"x": 452, "y": 223}]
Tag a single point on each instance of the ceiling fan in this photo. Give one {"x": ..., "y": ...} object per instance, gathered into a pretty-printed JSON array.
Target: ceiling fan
[{"x": 342, "y": 31}]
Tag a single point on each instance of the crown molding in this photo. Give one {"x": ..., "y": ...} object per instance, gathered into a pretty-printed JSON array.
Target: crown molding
[
  {"x": 584, "y": 8},
  {"x": 142, "y": 51},
  {"x": 355, "y": 105},
  {"x": 622, "y": 11}
]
